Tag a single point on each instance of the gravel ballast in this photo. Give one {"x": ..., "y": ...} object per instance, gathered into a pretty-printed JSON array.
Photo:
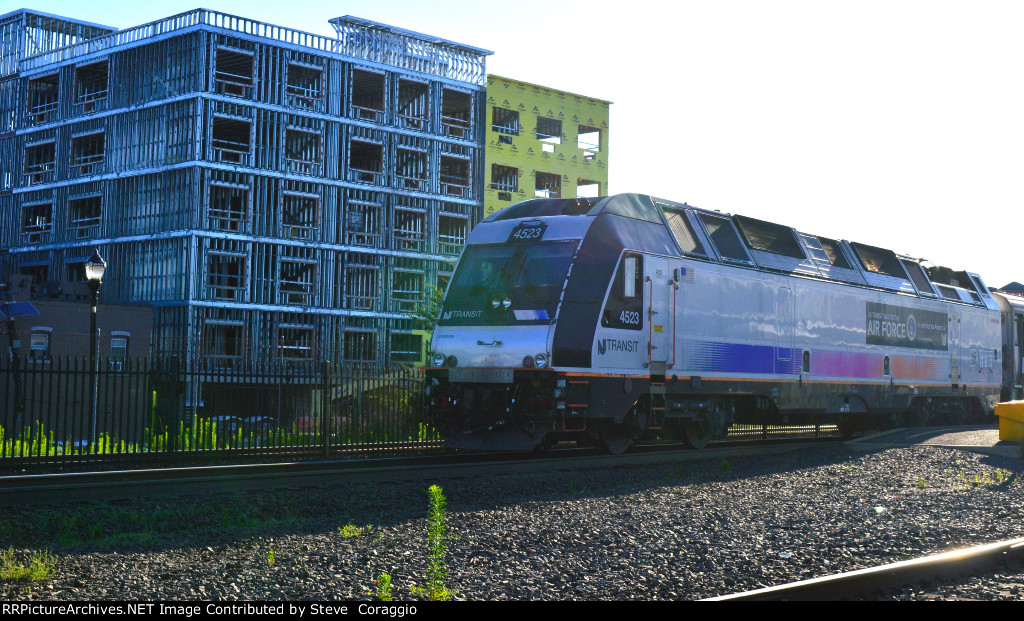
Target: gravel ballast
[{"x": 673, "y": 531}]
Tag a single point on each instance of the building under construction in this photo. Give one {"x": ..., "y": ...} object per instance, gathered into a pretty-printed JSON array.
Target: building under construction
[
  {"x": 543, "y": 143},
  {"x": 274, "y": 195}
]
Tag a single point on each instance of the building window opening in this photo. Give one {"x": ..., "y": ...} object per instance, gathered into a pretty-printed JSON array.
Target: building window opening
[
  {"x": 36, "y": 223},
  {"x": 74, "y": 270},
  {"x": 504, "y": 178},
  {"x": 87, "y": 153},
  {"x": 225, "y": 277},
  {"x": 360, "y": 346},
  {"x": 366, "y": 162},
  {"x": 411, "y": 169},
  {"x": 91, "y": 85},
  {"x": 298, "y": 279},
  {"x": 549, "y": 132},
  {"x": 549, "y": 185},
  {"x": 589, "y": 140},
  {"x": 368, "y": 95},
  {"x": 43, "y": 94},
  {"x": 305, "y": 86},
  {"x": 406, "y": 347},
  {"x": 40, "y": 162},
  {"x": 300, "y": 215},
  {"x": 232, "y": 140},
  {"x": 406, "y": 291},
  {"x": 229, "y": 208},
  {"x": 222, "y": 343},
  {"x": 454, "y": 176},
  {"x": 363, "y": 224},
  {"x": 505, "y": 121},
  {"x": 456, "y": 113},
  {"x": 362, "y": 287},
  {"x": 586, "y": 188},
  {"x": 302, "y": 150},
  {"x": 410, "y": 229},
  {"x": 451, "y": 233},
  {"x": 233, "y": 73},
  {"x": 295, "y": 342},
  {"x": 84, "y": 216},
  {"x": 38, "y": 273},
  {"x": 413, "y": 104}
]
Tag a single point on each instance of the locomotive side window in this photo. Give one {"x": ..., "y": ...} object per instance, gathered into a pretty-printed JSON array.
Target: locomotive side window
[
  {"x": 918, "y": 276},
  {"x": 769, "y": 237},
  {"x": 683, "y": 232},
  {"x": 879, "y": 260},
  {"x": 624, "y": 307},
  {"x": 834, "y": 252},
  {"x": 724, "y": 237}
]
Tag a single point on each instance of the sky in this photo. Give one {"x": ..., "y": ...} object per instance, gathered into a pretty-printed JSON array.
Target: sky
[{"x": 895, "y": 123}]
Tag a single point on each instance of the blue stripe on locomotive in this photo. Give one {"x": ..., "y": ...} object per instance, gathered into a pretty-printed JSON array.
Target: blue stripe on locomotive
[{"x": 740, "y": 358}]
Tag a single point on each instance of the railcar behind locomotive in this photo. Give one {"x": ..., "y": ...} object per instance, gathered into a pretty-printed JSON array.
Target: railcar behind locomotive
[{"x": 628, "y": 316}]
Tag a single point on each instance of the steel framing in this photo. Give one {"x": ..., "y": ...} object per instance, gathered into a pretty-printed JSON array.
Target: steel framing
[{"x": 291, "y": 192}]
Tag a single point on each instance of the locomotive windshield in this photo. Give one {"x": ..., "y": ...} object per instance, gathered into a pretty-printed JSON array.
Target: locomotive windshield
[{"x": 508, "y": 284}]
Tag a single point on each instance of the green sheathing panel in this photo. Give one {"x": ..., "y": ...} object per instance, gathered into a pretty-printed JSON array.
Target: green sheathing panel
[{"x": 522, "y": 145}]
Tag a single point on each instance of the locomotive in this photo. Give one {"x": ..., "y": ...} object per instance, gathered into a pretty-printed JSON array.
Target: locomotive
[{"x": 615, "y": 319}]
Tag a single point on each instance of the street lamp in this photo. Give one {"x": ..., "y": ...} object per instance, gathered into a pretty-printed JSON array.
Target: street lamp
[{"x": 94, "y": 269}]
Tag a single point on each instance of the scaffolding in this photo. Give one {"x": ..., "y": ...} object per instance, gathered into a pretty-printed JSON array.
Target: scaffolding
[{"x": 275, "y": 195}]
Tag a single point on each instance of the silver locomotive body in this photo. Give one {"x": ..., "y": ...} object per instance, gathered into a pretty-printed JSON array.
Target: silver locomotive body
[{"x": 628, "y": 316}]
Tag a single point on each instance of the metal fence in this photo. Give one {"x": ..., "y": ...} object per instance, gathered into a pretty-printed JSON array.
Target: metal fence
[{"x": 66, "y": 410}]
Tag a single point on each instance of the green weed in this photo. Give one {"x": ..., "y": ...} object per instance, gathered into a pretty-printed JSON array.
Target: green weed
[
  {"x": 40, "y": 567},
  {"x": 351, "y": 530},
  {"x": 383, "y": 591},
  {"x": 437, "y": 533}
]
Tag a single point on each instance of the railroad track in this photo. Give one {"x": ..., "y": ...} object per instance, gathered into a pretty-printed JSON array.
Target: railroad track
[
  {"x": 109, "y": 485},
  {"x": 876, "y": 582}
]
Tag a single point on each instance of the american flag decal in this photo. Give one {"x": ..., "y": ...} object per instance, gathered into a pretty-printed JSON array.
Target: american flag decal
[{"x": 686, "y": 275}]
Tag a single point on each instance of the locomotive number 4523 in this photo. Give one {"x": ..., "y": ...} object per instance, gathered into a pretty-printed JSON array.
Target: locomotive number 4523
[{"x": 527, "y": 231}]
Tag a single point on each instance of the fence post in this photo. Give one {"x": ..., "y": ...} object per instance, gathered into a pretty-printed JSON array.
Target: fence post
[{"x": 325, "y": 407}]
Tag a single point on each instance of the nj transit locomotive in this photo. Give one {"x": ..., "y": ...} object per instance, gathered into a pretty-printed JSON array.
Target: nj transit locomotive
[{"x": 627, "y": 316}]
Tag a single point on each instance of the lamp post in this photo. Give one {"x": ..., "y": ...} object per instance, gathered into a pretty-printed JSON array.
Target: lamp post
[{"x": 94, "y": 269}]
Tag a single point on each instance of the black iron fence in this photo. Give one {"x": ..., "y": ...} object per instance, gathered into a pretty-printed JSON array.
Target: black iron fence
[{"x": 67, "y": 410}]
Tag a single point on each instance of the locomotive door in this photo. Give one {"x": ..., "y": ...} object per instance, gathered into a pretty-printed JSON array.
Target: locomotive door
[
  {"x": 659, "y": 310},
  {"x": 954, "y": 349},
  {"x": 1018, "y": 351},
  {"x": 784, "y": 331}
]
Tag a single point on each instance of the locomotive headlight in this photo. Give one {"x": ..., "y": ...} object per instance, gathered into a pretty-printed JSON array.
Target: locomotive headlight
[
  {"x": 452, "y": 361},
  {"x": 527, "y": 362},
  {"x": 437, "y": 359},
  {"x": 506, "y": 302},
  {"x": 495, "y": 303},
  {"x": 541, "y": 360}
]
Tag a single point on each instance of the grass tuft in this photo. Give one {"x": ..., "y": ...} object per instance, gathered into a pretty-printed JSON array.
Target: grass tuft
[{"x": 40, "y": 567}]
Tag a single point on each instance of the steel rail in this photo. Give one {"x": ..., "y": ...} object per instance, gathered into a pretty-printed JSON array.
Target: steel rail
[
  {"x": 38, "y": 489},
  {"x": 886, "y": 577}
]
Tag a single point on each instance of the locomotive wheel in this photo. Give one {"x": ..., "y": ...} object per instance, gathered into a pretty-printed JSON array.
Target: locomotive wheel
[
  {"x": 616, "y": 438},
  {"x": 919, "y": 415},
  {"x": 697, "y": 433}
]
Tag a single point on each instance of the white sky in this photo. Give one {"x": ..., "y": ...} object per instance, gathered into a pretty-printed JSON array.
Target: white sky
[{"x": 894, "y": 123}]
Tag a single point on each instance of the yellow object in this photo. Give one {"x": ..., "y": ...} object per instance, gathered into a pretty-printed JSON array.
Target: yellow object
[
  {"x": 542, "y": 143},
  {"x": 1011, "y": 420}
]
